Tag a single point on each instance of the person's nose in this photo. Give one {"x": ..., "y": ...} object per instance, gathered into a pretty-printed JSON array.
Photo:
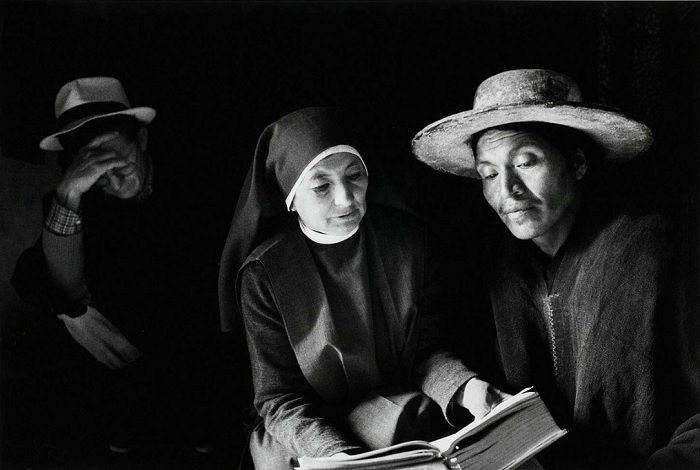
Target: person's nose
[
  {"x": 343, "y": 196},
  {"x": 511, "y": 184}
]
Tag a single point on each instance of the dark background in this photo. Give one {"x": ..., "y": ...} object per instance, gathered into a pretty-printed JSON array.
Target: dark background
[{"x": 219, "y": 72}]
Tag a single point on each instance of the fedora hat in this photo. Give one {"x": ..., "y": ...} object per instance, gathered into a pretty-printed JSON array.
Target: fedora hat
[
  {"x": 527, "y": 95},
  {"x": 86, "y": 99}
]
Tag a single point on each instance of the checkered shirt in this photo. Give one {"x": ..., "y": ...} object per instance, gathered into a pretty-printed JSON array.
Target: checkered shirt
[{"x": 62, "y": 221}]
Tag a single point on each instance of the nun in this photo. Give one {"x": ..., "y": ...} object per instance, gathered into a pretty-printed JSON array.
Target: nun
[{"x": 345, "y": 333}]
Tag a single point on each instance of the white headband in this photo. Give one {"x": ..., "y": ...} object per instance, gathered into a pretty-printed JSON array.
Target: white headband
[{"x": 326, "y": 153}]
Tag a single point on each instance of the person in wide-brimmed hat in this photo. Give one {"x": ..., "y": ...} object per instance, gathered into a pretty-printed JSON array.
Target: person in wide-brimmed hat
[
  {"x": 85, "y": 278},
  {"x": 520, "y": 96},
  {"x": 105, "y": 263},
  {"x": 587, "y": 300},
  {"x": 103, "y": 141}
]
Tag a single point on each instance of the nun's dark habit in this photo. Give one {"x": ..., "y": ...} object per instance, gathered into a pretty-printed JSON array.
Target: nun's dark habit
[{"x": 341, "y": 336}]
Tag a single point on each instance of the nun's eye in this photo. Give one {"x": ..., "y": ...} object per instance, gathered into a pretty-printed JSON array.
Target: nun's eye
[{"x": 321, "y": 188}]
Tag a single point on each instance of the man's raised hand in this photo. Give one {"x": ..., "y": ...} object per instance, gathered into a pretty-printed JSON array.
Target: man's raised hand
[{"x": 88, "y": 166}]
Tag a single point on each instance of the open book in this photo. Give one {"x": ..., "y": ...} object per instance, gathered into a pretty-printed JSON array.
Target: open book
[{"x": 515, "y": 430}]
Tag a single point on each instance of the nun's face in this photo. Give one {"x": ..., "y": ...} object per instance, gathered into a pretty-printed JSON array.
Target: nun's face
[{"x": 331, "y": 197}]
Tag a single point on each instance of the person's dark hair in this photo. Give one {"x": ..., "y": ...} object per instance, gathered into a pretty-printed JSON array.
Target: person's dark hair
[
  {"x": 73, "y": 141},
  {"x": 565, "y": 139}
]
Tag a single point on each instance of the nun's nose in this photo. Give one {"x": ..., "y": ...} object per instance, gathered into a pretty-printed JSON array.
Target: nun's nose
[{"x": 343, "y": 195}]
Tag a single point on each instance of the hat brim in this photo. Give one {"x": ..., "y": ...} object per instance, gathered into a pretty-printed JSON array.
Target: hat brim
[
  {"x": 446, "y": 144},
  {"x": 51, "y": 143}
]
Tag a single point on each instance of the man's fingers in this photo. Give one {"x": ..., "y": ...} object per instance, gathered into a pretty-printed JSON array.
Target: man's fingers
[
  {"x": 103, "y": 167},
  {"x": 504, "y": 395},
  {"x": 109, "y": 361},
  {"x": 107, "y": 353},
  {"x": 114, "y": 362},
  {"x": 101, "y": 139},
  {"x": 131, "y": 355},
  {"x": 478, "y": 414},
  {"x": 123, "y": 349},
  {"x": 495, "y": 396},
  {"x": 91, "y": 156}
]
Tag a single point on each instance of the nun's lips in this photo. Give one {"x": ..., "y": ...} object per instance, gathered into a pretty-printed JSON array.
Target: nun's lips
[{"x": 347, "y": 215}]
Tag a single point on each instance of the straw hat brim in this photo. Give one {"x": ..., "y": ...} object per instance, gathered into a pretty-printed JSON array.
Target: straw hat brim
[
  {"x": 143, "y": 114},
  {"x": 446, "y": 144}
]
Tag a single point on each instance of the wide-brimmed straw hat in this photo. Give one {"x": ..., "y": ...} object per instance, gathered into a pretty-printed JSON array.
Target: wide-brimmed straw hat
[
  {"x": 86, "y": 99},
  {"x": 527, "y": 95}
]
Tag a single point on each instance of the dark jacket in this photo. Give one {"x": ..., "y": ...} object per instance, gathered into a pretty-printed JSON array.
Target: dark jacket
[{"x": 138, "y": 267}]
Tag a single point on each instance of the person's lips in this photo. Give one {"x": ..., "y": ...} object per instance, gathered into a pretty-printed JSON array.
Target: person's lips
[
  {"x": 347, "y": 215},
  {"x": 517, "y": 209}
]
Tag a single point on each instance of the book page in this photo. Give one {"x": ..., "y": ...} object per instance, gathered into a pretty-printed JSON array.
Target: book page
[
  {"x": 533, "y": 451},
  {"x": 405, "y": 452},
  {"x": 500, "y": 411},
  {"x": 508, "y": 441}
]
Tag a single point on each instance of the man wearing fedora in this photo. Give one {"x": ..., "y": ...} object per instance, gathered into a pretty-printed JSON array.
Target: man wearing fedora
[
  {"x": 85, "y": 269},
  {"x": 104, "y": 142},
  {"x": 110, "y": 263},
  {"x": 587, "y": 302}
]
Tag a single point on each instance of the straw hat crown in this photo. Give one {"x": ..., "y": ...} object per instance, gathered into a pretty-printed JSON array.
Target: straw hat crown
[
  {"x": 525, "y": 86},
  {"x": 527, "y": 95}
]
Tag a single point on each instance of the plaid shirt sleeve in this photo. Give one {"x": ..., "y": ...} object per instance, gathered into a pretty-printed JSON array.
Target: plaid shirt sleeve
[{"x": 62, "y": 221}]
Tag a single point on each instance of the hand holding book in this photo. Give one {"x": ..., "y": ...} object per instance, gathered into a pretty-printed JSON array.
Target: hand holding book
[
  {"x": 507, "y": 437},
  {"x": 479, "y": 397}
]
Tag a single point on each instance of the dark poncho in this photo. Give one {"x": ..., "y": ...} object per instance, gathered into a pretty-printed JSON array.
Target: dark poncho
[{"x": 602, "y": 330}]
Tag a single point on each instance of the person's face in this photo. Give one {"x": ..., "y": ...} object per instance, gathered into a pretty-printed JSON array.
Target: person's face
[
  {"x": 127, "y": 181},
  {"x": 530, "y": 184},
  {"x": 331, "y": 197}
]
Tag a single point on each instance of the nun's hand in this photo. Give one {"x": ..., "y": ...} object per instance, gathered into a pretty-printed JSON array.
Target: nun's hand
[{"x": 479, "y": 397}]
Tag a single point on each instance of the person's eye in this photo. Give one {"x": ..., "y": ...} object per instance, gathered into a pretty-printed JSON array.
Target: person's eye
[
  {"x": 321, "y": 188},
  {"x": 526, "y": 161},
  {"x": 489, "y": 176},
  {"x": 355, "y": 176}
]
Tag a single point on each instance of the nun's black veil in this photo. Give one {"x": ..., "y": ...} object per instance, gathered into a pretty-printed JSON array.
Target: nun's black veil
[{"x": 284, "y": 149}]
